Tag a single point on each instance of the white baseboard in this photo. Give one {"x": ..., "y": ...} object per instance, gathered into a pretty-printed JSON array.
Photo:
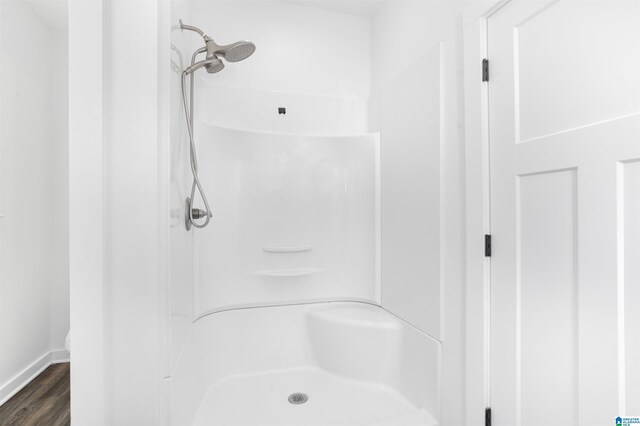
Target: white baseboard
[
  {"x": 20, "y": 380},
  {"x": 59, "y": 356}
]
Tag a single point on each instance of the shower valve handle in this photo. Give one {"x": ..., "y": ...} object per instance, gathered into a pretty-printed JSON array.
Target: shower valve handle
[{"x": 199, "y": 213}]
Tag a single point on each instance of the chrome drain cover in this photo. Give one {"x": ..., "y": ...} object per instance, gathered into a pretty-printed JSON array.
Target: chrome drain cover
[{"x": 298, "y": 398}]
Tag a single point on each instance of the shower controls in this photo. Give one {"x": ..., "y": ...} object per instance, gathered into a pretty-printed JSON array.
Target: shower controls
[
  {"x": 198, "y": 213},
  {"x": 193, "y": 213}
]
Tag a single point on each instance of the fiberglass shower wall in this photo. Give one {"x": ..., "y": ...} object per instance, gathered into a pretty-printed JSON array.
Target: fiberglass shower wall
[
  {"x": 294, "y": 200},
  {"x": 293, "y": 194},
  {"x": 417, "y": 105},
  {"x": 294, "y": 219},
  {"x": 180, "y": 300}
]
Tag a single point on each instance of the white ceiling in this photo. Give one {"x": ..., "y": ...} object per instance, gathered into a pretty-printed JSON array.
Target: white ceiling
[
  {"x": 55, "y": 12},
  {"x": 365, "y": 8}
]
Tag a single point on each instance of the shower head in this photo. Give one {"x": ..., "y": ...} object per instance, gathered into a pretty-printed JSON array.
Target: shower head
[
  {"x": 233, "y": 52},
  {"x": 212, "y": 66}
]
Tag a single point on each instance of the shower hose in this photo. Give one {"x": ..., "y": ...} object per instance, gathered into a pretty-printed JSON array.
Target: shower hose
[{"x": 188, "y": 113}]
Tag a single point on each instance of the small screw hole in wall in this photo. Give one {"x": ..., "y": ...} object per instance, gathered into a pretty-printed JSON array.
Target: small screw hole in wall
[{"x": 282, "y": 110}]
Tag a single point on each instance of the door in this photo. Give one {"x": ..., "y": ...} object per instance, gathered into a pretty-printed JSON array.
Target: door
[{"x": 564, "y": 108}]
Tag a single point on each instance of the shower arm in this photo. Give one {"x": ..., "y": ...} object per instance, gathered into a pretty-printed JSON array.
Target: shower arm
[
  {"x": 210, "y": 44},
  {"x": 194, "y": 29}
]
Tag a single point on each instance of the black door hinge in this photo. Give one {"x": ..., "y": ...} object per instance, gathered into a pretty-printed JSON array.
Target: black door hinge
[
  {"x": 485, "y": 69},
  {"x": 487, "y": 245},
  {"x": 487, "y": 417}
]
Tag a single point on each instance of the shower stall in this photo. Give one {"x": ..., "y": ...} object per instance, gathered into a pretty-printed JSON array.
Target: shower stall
[
  {"x": 277, "y": 309},
  {"x": 284, "y": 299},
  {"x": 346, "y": 177}
]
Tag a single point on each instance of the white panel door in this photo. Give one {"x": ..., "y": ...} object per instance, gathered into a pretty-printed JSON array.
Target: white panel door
[{"x": 564, "y": 108}]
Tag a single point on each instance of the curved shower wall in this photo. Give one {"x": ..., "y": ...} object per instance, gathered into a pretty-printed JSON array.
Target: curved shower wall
[
  {"x": 259, "y": 110},
  {"x": 293, "y": 218}
]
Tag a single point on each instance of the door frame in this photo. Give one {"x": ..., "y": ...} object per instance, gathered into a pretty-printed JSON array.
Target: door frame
[
  {"x": 88, "y": 309},
  {"x": 477, "y": 212}
]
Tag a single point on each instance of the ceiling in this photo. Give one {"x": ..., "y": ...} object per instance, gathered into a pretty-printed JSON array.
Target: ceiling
[
  {"x": 365, "y": 8},
  {"x": 55, "y": 12}
]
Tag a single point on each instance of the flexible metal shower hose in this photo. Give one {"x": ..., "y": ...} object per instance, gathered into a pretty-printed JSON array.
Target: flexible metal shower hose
[{"x": 188, "y": 113}]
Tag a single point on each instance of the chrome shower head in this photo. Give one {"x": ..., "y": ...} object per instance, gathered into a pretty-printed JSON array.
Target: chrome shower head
[
  {"x": 233, "y": 52},
  {"x": 211, "y": 65},
  {"x": 214, "y": 65}
]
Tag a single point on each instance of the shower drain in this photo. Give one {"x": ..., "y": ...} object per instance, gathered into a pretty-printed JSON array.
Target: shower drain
[{"x": 298, "y": 398}]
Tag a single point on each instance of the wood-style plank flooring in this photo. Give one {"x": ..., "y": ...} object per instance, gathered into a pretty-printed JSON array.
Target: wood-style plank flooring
[{"x": 44, "y": 401}]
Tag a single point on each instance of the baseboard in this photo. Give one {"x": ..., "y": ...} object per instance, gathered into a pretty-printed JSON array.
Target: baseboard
[
  {"x": 59, "y": 356},
  {"x": 20, "y": 380}
]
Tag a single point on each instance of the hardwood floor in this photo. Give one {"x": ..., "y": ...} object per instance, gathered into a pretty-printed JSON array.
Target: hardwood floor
[{"x": 44, "y": 401}]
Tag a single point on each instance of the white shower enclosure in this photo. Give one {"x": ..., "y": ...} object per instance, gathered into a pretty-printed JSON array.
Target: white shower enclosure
[{"x": 277, "y": 308}]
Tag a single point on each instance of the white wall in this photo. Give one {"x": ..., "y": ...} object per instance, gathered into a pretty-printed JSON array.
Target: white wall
[
  {"x": 411, "y": 131},
  {"x": 89, "y": 375},
  {"x": 271, "y": 192},
  {"x": 59, "y": 210},
  {"x": 322, "y": 55},
  {"x": 34, "y": 286},
  {"x": 118, "y": 209},
  {"x": 299, "y": 49},
  {"x": 402, "y": 32},
  {"x": 180, "y": 295},
  {"x": 135, "y": 143},
  {"x": 316, "y": 63},
  {"x": 257, "y": 110}
]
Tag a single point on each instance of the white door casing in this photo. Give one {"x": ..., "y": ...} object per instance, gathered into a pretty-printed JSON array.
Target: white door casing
[{"x": 564, "y": 108}]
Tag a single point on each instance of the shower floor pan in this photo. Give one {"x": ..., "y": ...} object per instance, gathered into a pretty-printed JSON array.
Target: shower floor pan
[{"x": 353, "y": 363}]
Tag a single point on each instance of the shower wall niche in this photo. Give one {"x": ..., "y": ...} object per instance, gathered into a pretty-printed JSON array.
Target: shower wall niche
[{"x": 293, "y": 218}]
